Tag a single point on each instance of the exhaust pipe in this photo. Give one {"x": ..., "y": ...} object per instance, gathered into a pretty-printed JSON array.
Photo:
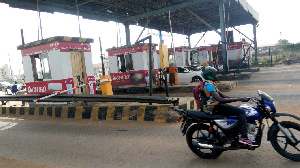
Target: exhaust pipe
[
  {"x": 209, "y": 146},
  {"x": 206, "y": 146}
]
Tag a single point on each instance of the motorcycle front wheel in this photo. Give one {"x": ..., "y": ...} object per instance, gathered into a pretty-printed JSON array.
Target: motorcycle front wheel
[
  {"x": 283, "y": 145},
  {"x": 199, "y": 133}
]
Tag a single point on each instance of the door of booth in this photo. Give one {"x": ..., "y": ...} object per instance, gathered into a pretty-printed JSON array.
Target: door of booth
[{"x": 79, "y": 71}]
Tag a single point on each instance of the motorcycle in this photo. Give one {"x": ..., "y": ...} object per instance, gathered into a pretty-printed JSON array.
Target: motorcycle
[{"x": 209, "y": 135}]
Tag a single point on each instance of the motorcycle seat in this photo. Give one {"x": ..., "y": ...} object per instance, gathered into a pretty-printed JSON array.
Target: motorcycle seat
[{"x": 204, "y": 115}]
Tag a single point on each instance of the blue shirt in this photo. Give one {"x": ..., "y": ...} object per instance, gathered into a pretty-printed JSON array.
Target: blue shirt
[{"x": 209, "y": 87}]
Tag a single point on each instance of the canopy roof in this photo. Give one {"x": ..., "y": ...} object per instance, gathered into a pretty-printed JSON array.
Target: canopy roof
[{"x": 187, "y": 16}]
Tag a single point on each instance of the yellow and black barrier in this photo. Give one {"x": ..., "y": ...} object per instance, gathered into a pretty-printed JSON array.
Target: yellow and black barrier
[
  {"x": 135, "y": 113},
  {"x": 164, "y": 114},
  {"x": 190, "y": 105}
]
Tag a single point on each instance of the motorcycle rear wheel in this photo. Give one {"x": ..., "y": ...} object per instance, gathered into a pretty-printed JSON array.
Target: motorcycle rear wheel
[
  {"x": 199, "y": 133},
  {"x": 283, "y": 145}
]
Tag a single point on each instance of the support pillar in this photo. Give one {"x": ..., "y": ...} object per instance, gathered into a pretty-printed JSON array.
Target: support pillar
[
  {"x": 127, "y": 32},
  {"x": 255, "y": 43},
  {"x": 223, "y": 36},
  {"x": 160, "y": 37},
  {"x": 189, "y": 40}
]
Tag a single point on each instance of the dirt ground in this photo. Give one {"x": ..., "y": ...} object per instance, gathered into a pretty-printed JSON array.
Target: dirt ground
[{"x": 13, "y": 163}]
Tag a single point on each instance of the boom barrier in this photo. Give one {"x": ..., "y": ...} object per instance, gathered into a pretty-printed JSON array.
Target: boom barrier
[{"x": 90, "y": 98}]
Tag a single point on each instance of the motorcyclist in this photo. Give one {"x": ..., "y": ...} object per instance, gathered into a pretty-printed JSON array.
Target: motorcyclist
[{"x": 219, "y": 106}]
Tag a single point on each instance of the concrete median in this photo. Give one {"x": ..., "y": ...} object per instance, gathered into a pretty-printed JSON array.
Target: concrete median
[{"x": 135, "y": 113}]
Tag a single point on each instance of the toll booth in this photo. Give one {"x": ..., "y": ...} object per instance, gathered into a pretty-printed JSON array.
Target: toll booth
[
  {"x": 201, "y": 55},
  {"x": 129, "y": 65},
  {"x": 58, "y": 63},
  {"x": 239, "y": 54},
  {"x": 181, "y": 56}
]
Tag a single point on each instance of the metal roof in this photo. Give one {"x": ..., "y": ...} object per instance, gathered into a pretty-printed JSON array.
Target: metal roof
[
  {"x": 56, "y": 38},
  {"x": 186, "y": 15}
]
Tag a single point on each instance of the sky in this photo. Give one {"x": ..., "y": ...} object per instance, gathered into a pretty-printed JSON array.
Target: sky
[{"x": 277, "y": 20}]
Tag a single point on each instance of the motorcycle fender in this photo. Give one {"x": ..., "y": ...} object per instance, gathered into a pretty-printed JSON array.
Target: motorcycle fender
[
  {"x": 186, "y": 125},
  {"x": 271, "y": 130}
]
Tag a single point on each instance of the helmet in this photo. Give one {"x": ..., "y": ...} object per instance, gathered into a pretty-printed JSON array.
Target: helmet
[{"x": 209, "y": 73}]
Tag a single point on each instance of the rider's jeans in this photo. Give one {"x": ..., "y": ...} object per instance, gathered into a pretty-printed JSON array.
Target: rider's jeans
[{"x": 229, "y": 110}]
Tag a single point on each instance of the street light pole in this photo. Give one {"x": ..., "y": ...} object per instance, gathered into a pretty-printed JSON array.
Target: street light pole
[{"x": 102, "y": 60}]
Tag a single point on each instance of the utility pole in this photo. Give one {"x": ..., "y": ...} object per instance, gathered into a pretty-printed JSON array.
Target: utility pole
[
  {"x": 255, "y": 43},
  {"x": 102, "y": 60},
  {"x": 10, "y": 70},
  {"x": 223, "y": 36}
]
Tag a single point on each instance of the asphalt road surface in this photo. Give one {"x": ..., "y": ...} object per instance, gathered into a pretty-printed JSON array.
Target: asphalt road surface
[{"x": 47, "y": 142}]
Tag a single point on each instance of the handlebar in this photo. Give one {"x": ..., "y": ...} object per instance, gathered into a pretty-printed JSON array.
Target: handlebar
[{"x": 255, "y": 100}]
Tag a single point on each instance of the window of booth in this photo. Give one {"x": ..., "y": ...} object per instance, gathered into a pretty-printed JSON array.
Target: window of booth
[
  {"x": 186, "y": 58},
  {"x": 194, "y": 58},
  {"x": 44, "y": 58},
  {"x": 171, "y": 60},
  {"x": 125, "y": 62},
  {"x": 40, "y": 67},
  {"x": 129, "y": 62}
]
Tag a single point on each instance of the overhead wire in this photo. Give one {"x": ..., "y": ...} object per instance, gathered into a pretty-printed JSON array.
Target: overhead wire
[
  {"x": 146, "y": 25},
  {"x": 200, "y": 39},
  {"x": 117, "y": 26},
  {"x": 39, "y": 20},
  {"x": 227, "y": 25},
  {"x": 172, "y": 44},
  {"x": 78, "y": 18}
]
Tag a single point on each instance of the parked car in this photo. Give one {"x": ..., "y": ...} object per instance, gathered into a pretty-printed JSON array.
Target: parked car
[
  {"x": 185, "y": 75},
  {"x": 196, "y": 67},
  {"x": 183, "y": 70}
]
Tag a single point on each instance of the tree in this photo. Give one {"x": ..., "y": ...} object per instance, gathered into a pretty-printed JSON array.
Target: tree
[{"x": 283, "y": 44}]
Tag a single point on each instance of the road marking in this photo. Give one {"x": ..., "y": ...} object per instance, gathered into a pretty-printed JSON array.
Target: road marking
[
  {"x": 8, "y": 118},
  {"x": 6, "y": 125}
]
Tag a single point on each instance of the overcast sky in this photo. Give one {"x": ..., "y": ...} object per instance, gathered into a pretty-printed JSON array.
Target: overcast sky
[{"x": 277, "y": 19}]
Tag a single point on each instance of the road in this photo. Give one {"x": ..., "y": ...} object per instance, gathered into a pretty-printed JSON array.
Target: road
[{"x": 47, "y": 142}]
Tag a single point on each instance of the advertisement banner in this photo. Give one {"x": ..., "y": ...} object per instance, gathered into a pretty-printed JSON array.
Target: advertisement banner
[{"x": 129, "y": 78}]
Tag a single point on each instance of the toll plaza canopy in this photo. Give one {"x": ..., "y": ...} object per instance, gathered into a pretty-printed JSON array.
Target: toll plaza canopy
[{"x": 187, "y": 16}]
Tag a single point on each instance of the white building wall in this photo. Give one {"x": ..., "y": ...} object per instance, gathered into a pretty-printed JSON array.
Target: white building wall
[
  {"x": 233, "y": 54},
  {"x": 139, "y": 61},
  {"x": 156, "y": 60},
  {"x": 57, "y": 60},
  {"x": 113, "y": 67},
  {"x": 89, "y": 64},
  {"x": 145, "y": 63},
  {"x": 27, "y": 66},
  {"x": 203, "y": 57},
  {"x": 179, "y": 59},
  {"x": 66, "y": 65}
]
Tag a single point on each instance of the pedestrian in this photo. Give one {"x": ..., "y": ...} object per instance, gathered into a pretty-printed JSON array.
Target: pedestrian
[
  {"x": 5, "y": 90},
  {"x": 14, "y": 89}
]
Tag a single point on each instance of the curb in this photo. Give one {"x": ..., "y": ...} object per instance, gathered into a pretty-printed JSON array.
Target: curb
[
  {"x": 231, "y": 77},
  {"x": 163, "y": 114}
]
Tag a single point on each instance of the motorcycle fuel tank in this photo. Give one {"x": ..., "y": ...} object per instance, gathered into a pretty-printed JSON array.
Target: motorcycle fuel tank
[{"x": 251, "y": 112}]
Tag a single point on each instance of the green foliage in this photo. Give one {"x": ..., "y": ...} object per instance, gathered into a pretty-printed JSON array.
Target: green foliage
[
  {"x": 285, "y": 45},
  {"x": 284, "y": 53}
]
